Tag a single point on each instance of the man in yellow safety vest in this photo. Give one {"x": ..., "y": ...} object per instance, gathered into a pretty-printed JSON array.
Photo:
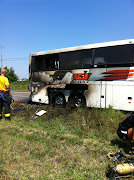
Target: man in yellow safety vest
[{"x": 5, "y": 98}]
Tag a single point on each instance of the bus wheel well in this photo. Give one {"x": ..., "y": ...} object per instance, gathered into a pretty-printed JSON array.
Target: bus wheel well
[
  {"x": 77, "y": 99},
  {"x": 58, "y": 100}
]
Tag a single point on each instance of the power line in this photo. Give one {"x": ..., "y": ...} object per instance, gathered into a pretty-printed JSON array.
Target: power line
[{"x": 17, "y": 59}]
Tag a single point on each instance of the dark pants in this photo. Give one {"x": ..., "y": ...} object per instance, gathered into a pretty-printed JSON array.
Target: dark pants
[{"x": 5, "y": 102}]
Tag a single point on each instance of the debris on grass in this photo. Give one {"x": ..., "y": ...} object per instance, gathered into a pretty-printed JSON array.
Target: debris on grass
[{"x": 40, "y": 113}]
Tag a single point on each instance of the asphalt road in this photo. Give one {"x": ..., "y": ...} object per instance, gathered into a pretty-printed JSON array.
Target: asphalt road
[{"x": 19, "y": 96}]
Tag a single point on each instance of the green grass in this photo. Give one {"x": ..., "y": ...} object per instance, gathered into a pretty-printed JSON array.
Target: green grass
[
  {"x": 19, "y": 85},
  {"x": 62, "y": 144}
]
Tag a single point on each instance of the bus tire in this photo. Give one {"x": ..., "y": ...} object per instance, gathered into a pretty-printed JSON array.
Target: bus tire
[
  {"x": 59, "y": 100},
  {"x": 77, "y": 100}
]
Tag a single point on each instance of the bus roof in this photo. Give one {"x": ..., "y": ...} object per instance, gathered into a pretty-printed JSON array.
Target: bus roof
[{"x": 89, "y": 46}]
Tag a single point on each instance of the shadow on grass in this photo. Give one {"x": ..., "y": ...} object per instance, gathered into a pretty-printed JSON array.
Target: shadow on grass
[{"x": 120, "y": 144}]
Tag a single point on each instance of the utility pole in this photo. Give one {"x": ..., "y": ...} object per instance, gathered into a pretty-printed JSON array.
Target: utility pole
[{"x": 1, "y": 55}]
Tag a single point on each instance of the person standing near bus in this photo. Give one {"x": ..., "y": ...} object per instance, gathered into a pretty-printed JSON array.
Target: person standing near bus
[
  {"x": 126, "y": 130},
  {"x": 5, "y": 99}
]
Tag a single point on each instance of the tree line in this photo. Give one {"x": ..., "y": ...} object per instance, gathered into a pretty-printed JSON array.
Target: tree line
[{"x": 12, "y": 77}]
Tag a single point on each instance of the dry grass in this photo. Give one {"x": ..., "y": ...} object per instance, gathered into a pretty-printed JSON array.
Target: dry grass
[{"x": 62, "y": 144}]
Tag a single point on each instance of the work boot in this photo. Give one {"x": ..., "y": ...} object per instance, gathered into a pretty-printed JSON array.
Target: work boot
[{"x": 8, "y": 118}]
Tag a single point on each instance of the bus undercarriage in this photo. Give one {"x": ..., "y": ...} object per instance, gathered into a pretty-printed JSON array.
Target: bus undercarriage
[{"x": 100, "y": 94}]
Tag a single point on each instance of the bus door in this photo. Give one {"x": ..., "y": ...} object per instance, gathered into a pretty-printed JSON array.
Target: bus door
[{"x": 96, "y": 94}]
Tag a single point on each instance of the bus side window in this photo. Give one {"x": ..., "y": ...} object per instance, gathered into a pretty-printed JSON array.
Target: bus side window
[
  {"x": 50, "y": 64},
  {"x": 53, "y": 64},
  {"x": 56, "y": 64},
  {"x": 99, "y": 60}
]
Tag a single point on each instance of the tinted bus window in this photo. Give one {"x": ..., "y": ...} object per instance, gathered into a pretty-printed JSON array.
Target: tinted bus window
[
  {"x": 114, "y": 55},
  {"x": 76, "y": 59},
  {"x": 45, "y": 62},
  {"x": 39, "y": 63}
]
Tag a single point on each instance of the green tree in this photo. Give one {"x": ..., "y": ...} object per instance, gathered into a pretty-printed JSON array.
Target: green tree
[{"x": 11, "y": 74}]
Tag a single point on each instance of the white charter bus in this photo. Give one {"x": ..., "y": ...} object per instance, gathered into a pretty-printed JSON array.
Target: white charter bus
[{"x": 96, "y": 75}]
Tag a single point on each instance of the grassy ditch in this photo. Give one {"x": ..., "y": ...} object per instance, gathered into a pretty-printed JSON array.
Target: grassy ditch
[
  {"x": 61, "y": 144},
  {"x": 19, "y": 85}
]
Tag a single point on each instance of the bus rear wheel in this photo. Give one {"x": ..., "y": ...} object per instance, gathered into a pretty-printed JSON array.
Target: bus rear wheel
[
  {"x": 59, "y": 100},
  {"x": 77, "y": 100}
]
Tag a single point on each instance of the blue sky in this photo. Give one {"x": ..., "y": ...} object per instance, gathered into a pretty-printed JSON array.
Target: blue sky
[{"x": 29, "y": 26}]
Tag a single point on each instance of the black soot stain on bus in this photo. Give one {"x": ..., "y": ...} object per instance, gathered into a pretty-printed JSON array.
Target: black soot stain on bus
[{"x": 53, "y": 77}]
